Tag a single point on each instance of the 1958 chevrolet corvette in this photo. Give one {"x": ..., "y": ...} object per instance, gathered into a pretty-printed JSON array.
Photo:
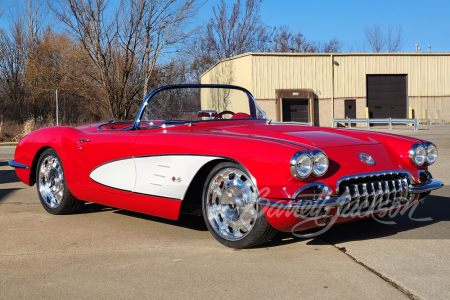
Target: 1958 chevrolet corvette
[{"x": 248, "y": 176}]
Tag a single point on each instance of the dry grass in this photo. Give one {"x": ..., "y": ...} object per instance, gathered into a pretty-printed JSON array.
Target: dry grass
[{"x": 13, "y": 132}]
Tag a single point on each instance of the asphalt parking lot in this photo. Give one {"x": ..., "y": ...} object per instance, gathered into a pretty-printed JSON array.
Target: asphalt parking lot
[{"x": 106, "y": 253}]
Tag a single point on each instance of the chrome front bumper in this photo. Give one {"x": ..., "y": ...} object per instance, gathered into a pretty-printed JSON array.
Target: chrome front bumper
[
  {"x": 14, "y": 164},
  {"x": 426, "y": 186},
  {"x": 423, "y": 187}
]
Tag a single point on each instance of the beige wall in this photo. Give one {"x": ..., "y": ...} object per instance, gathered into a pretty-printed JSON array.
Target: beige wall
[{"x": 428, "y": 79}]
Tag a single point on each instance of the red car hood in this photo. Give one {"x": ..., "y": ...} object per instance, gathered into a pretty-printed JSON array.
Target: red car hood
[{"x": 313, "y": 136}]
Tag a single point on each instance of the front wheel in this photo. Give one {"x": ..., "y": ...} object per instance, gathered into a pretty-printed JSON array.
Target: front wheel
[
  {"x": 231, "y": 210},
  {"x": 51, "y": 186}
]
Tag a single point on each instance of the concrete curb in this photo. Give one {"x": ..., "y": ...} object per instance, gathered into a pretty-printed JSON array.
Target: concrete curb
[{"x": 9, "y": 144}]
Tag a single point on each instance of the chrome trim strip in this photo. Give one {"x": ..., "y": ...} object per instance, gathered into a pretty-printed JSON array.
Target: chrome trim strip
[
  {"x": 305, "y": 204},
  {"x": 373, "y": 174},
  {"x": 14, "y": 164},
  {"x": 425, "y": 186},
  {"x": 322, "y": 185}
]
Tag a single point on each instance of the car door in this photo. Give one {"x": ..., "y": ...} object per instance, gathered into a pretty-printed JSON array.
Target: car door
[{"x": 105, "y": 161}]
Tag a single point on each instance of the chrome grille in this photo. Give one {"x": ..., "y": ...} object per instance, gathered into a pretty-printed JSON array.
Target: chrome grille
[{"x": 374, "y": 193}]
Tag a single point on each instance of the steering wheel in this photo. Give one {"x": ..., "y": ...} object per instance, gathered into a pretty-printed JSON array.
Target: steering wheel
[{"x": 225, "y": 112}]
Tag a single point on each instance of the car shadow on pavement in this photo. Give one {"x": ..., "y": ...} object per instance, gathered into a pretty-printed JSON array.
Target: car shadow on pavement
[
  {"x": 185, "y": 221},
  {"x": 8, "y": 176},
  {"x": 431, "y": 211},
  {"x": 5, "y": 192},
  {"x": 90, "y": 207},
  {"x": 3, "y": 163}
]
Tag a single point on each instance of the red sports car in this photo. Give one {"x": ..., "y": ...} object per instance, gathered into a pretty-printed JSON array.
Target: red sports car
[{"x": 248, "y": 176}]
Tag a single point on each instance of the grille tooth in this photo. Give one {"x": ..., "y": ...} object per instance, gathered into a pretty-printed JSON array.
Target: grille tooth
[
  {"x": 400, "y": 186},
  {"x": 380, "y": 188},
  {"x": 394, "y": 190},
  {"x": 364, "y": 192},
  {"x": 355, "y": 191},
  {"x": 386, "y": 188},
  {"x": 372, "y": 189},
  {"x": 365, "y": 196}
]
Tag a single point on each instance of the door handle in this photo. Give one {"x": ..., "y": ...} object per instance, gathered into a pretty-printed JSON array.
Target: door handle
[{"x": 84, "y": 140}]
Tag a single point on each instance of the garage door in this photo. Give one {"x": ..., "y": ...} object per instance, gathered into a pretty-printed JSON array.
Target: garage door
[
  {"x": 295, "y": 110},
  {"x": 387, "y": 96}
]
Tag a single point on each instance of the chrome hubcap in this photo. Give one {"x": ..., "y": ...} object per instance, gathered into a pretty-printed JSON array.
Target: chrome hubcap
[
  {"x": 232, "y": 204},
  {"x": 51, "y": 181}
]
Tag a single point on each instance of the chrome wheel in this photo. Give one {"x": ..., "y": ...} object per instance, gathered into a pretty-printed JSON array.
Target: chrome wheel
[
  {"x": 51, "y": 181},
  {"x": 231, "y": 204}
]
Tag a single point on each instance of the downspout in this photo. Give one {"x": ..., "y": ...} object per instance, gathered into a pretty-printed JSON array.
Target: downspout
[{"x": 332, "y": 89}]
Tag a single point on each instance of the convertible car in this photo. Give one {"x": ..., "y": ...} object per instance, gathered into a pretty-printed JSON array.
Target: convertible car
[{"x": 210, "y": 150}]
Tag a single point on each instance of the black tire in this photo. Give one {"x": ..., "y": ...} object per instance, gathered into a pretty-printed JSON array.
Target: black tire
[
  {"x": 52, "y": 189},
  {"x": 216, "y": 216}
]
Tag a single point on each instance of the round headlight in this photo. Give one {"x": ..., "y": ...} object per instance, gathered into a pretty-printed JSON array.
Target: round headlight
[
  {"x": 418, "y": 154},
  {"x": 320, "y": 164},
  {"x": 301, "y": 165},
  {"x": 431, "y": 153}
]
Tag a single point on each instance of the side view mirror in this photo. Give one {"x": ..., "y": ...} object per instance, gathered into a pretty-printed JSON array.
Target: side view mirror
[{"x": 207, "y": 113}]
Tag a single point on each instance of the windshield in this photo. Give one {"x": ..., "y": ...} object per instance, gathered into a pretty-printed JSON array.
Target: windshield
[{"x": 188, "y": 103}]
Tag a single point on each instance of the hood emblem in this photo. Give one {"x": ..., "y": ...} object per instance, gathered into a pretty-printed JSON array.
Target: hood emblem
[{"x": 366, "y": 158}]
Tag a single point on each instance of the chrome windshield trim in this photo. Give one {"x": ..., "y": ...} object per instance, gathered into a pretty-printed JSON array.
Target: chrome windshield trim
[
  {"x": 305, "y": 204},
  {"x": 14, "y": 164},
  {"x": 426, "y": 186},
  {"x": 374, "y": 174},
  {"x": 175, "y": 86}
]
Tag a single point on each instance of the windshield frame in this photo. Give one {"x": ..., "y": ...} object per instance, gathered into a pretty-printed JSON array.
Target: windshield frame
[{"x": 253, "y": 110}]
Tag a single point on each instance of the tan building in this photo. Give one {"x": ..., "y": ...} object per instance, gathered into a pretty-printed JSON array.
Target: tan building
[{"x": 317, "y": 87}]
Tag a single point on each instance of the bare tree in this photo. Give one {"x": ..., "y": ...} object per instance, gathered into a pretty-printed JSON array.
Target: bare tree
[
  {"x": 111, "y": 42},
  {"x": 241, "y": 32},
  {"x": 12, "y": 67},
  {"x": 377, "y": 41},
  {"x": 163, "y": 27},
  {"x": 287, "y": 41},
  {"x": 228, "y": 33},
  {"x": 137, "y": 31},
  {"x": 395, "y": 38},
  {"x": 35, "y": 12},
  {"x": 374, "y": 38}
]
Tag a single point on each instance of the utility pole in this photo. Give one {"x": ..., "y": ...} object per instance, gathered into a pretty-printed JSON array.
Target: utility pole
[{"x": 57, "y": 120}]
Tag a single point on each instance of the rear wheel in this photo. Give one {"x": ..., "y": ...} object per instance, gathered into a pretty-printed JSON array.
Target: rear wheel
[
  {"x": 53, "y": 192},
  {"x": 231, "y": 210}
]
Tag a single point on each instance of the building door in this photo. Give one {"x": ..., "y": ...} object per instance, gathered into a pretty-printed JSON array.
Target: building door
[
  {"x": 350, "y": 110},
  {"x": 295, "y": 110},
  {"x": 387, "y": 96}
]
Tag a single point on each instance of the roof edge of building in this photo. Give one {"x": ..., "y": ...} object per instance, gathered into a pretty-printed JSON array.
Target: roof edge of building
[{"x": 327, "y": 54}]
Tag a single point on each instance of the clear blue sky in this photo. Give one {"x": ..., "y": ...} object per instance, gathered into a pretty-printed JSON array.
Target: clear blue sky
[{"x": 424, "y": 22}]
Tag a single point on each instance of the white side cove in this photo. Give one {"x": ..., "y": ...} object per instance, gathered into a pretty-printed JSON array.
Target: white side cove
[
  {"x": 166, "y": 176},
  {"x": 119, "y": 174}
]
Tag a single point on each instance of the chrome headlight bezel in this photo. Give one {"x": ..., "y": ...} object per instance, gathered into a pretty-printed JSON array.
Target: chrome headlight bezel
[
  {"x": 317, "y": 155},
  {"x": 414, "y": 154},
  {"x": 309, "y": 161},
  {"x": 430, "y": 147},
  {"x": 301, "y": 156}
]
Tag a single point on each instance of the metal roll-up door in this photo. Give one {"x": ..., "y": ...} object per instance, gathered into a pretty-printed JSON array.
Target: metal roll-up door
[
  {"x": 295, "y": 110},
  {"x": 387, "y": 96}
]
